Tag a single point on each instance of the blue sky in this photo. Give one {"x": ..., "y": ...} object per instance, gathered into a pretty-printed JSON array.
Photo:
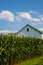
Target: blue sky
[{"x": 14, "y": 14}]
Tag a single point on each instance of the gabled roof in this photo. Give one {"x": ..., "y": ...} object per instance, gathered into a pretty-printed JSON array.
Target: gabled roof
[{"x": 31, "y": 27}]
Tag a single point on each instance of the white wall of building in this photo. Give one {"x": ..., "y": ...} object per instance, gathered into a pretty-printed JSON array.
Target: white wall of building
[{"x": 30, "y": 33}]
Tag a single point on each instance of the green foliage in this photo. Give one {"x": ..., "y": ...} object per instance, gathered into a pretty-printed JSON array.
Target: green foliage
[{"x": 15, "y": 49}]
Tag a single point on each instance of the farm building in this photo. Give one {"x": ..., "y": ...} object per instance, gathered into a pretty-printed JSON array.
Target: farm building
[{"x": 29, "y": 31}]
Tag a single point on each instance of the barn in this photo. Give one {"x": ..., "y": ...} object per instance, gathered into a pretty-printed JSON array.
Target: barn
[{"x": 29, "y": 31}]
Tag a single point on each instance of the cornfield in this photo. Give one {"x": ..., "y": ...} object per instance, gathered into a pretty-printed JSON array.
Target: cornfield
[{"x": 15, "y": 49}]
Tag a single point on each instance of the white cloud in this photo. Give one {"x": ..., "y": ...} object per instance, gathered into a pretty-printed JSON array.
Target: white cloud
[
  {"x": 41, "y": 18},
  {"x": 6, "y": 31},
  {"x": 28, "y": 16},
  {"x": 36, "y": 19},
  {"x": 9, "y": 16},
  {"x": 34, "y": 12},
  {"x": 6, "y": 15},
  {"x": 25, "y": 15},
  {"x": 41, "y": 29}
]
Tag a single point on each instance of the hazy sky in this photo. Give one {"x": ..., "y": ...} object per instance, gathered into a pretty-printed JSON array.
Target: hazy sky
[{"x": 14, "y": 14}]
